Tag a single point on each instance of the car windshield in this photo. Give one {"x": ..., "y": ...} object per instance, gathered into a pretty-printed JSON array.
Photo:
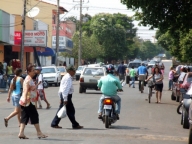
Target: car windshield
[
  {"x": 48, "y": 70},
  {"x": 136, "y": 65},
  {"x": 94, "y": 71},
  {"x": 61, "y": 69},
  {"x": 80, "y": 68}
]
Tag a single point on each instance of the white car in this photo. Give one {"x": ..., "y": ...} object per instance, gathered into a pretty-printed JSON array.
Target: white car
[
  {"x": 78, "y": 72},
  {"x": 51, "y": 74},
  {"x": 89, "y": 78}
]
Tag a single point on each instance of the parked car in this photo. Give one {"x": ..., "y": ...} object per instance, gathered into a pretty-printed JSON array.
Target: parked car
[
  {"x": 62, "y": 70},
  {"x": 51, "y": 74},
  {"x": 78, "y": 72},
  {"x": 151, "y": 64},
  {"x": 89, "y": 78}
]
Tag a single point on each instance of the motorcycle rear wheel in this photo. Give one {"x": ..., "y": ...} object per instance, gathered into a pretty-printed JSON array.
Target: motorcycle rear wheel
[{"x": 106, "y": 121}]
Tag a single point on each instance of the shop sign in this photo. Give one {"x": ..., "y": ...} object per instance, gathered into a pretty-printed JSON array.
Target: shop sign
[
  {"x": 17, "y": 38},
  {"x": 36, "y": 38}
]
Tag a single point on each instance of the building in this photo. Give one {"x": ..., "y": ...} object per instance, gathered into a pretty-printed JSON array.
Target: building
[{"x": 45, "y": 16}]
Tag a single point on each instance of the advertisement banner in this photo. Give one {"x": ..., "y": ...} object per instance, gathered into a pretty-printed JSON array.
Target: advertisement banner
[
  {"x": 36, "y": 38},
  {"x": 17, "y": 38}
]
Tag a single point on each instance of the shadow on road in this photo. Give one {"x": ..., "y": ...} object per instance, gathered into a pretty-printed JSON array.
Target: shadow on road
[
  {"x": 93, "y": 93},
  {"x": 53, "y": 139},
  {"x": 87, "y": 129},
  {"x": 124, "y": 127}
]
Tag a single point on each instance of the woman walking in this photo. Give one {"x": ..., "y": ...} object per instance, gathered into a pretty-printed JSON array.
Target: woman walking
[
  {"x": 158, "y": 79},
  {"x": 171, "y": 76},
  {"x": 28, "y": 109},
  {"x": 15, "y": 91}
]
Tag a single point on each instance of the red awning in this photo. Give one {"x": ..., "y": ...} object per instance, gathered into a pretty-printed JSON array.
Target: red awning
[{"x": 26, "y": 49}]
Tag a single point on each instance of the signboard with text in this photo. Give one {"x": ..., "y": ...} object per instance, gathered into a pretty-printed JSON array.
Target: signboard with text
[
  {"x": 17, "y": 38},
  {"x": 36, "y": 38}
]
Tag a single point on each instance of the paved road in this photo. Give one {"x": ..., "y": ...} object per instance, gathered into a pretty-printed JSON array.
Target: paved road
[{"x": 140, "y": 122}]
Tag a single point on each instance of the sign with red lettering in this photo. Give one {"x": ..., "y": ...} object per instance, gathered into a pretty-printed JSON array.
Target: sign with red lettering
[
  {"x": 36, "y": 38},
  {"x": 17, "y": 38}
]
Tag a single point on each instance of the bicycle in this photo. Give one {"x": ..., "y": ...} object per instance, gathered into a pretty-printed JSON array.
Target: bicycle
[{"x": 150, "y": 89}]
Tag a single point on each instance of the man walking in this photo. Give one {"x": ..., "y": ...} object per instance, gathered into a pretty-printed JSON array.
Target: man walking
[
  {"x": 121, "y": 71},
  {"x": 132, "y": 76},
  {"x": 65, "y": 93}
]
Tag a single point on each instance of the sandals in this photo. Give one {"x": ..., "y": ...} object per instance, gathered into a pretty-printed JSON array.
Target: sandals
[
  {"x": 100, "y": 117},
  {"x": 48, "y": 106},
  {"x": 42, "y": 136},
  {"x": 6, "y": 122},
  {"x": 23, "y": 137}
]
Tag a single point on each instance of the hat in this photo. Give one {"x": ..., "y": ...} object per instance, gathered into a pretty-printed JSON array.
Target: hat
[{"x": 70, "y": 68}]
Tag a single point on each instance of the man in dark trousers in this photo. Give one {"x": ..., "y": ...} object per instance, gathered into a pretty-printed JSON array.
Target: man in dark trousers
[
  {"x": 121, "y": 71},
  {"x": 65, "y": 93}
]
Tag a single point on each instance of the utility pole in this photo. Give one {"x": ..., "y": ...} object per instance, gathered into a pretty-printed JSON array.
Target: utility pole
[
  {"x": 23, "y": 34},
  {"x": 80, "y": 35},
  {"x": 57, "y": 34}
]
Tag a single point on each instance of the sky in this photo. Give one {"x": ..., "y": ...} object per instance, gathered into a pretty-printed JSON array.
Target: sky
[{"x": 93, "y": 7}]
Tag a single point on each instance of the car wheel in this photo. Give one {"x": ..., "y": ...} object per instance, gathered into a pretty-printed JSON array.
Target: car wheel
[
  {"x": 179, "y": 109},
  {"x": 57, "y": 83},
  {"x": 45, "y": 84},
  {"x": 173, "y": 97},
  {"x": 80, "y": 89},
  {"x": 185, "y": 120},
  {"x": 181, "y": 119},
  {"x": 190, "y": 135}
]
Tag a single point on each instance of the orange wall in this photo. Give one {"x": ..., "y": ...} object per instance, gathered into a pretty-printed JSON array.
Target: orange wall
[
  {"x": 1, "y": 53},
  {"x": 29, "y": 23}
]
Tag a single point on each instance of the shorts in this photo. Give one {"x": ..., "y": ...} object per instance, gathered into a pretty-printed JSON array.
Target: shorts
[
  {"x": 15, "y": 100},
  {"x": 29, "y": 112},
  {"x": 41, "y": 94},
  {"x": 159, "y": 87}
]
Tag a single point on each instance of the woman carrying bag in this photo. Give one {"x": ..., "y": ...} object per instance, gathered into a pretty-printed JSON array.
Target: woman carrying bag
[{"x": 27, "y": 105}]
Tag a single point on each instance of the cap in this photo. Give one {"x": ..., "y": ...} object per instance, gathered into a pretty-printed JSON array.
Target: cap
[{"x": 70, "y": 68}]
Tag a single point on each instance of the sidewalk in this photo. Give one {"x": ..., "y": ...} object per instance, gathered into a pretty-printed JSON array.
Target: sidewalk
[{"x": 3, "y": 90}]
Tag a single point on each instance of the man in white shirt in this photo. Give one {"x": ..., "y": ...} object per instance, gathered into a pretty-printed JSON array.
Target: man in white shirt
[
  {"x": 65, "y": 93},
  {"x": 40, "y": 89}
]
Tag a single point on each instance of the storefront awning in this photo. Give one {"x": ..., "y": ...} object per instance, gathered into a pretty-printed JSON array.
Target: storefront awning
[{"x": 48, "y": 52}]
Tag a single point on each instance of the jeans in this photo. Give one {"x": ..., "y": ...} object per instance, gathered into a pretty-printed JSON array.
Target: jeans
[
  {"x": 116, "y": 98},
  {"x": 70, "y": 112},
  {"x": 170, "y": 84},
  {"x": 132, "y": 81}
]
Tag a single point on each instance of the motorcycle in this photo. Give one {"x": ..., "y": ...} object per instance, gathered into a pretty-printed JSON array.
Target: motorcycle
[{"x": 109, "y": 116}]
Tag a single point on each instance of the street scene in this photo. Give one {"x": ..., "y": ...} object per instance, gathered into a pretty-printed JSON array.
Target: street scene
[
  {"x": 140, "y": 121},
  {"x": 95, "y": 71}
]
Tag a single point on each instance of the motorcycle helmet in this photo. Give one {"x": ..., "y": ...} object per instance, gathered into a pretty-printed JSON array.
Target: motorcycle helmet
[{"x": 110, "y": 69}]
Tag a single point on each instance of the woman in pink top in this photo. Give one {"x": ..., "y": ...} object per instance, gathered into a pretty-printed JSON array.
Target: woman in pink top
[
  {"x": 28, "y": 109},
  {"x": 171, "y": 76}
]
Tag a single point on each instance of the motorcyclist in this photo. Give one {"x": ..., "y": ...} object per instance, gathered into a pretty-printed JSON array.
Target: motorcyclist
[
  {"x": 109, "y": 85},
  {"x": 142, "y": 70}
]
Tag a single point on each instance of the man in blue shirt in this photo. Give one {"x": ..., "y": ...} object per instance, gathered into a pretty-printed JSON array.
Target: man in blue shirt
[
  {"x": 109, "y": 85},
  {"x": 121, "y": 71},
  {"x": 142, "y": 70}
]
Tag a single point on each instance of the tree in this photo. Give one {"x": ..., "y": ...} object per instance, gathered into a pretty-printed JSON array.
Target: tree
[{"x": 163, "y": 14}]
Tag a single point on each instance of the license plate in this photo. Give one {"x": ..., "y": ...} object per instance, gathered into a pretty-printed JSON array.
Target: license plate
[
  {"x": 93, "y": 80},
  {"x": 107, "y": 106}
]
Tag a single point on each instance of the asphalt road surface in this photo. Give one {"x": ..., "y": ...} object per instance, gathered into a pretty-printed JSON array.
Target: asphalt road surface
[{"x": 140, "y": 122}]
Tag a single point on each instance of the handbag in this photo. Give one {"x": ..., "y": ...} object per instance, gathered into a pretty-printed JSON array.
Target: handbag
[{"x": 62, "y": 112}]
